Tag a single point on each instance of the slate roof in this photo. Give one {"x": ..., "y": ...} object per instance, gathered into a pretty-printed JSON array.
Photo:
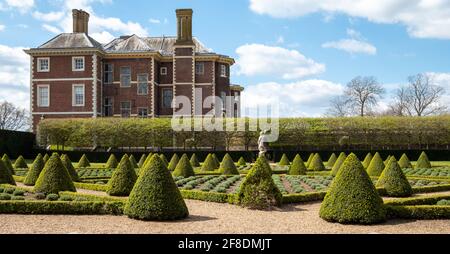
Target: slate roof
[{"x": 71, "y": 40}]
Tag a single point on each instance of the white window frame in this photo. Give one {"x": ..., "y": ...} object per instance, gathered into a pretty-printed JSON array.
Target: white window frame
[
  {"x": 38, "y": 94},
  {"x": 139, "y": 108},
  {"x": 202, "y": 69},
  {"x": 39, "y": 67},
  {"x": 121, "y": 109},
  {"x": 105, "y": 72},
  {"x": 223, "y": 70},
  {"x": 162, "y": 97},
  {"x": 163, "y": 71},
  {"x": 138, "y": 83},
  {"x": 74, "y": 104},
  {"x": 74, "y": 63},
  {"x": 121, "y": 75},
  {"x": 111, "y": 105}
]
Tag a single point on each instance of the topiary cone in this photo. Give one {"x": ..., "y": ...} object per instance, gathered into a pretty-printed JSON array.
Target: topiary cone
[
  {"x": 423, "y": 161},
  {"x": 297, "y": 167},
  {"x": 376, "y": 165},
  {"x": 20, "y": 163},
  {"x": 208, "y": 164},
  {"x": 227, "y": 167},
  {"x": 367, "y": 160},
  {"x": 33, "y": 173},
  {"x": 316, "y": 163},
  {"x": 133, "y": 161},
  {"x": 54, "y": 177},
  {"x": 311, "y": 156},
  {"x": 331, "y": 160},
  {"x": 68, "y": 164},
  {"x": 352, "y": 198},
  {"x": 194, "y": 161},
  {"x": 258, "y": 191},
  {"x": 284, "y": 161},
  {"x": 5, "y": 175},
  {"x": 184, "y": 167},
  {"x": 216, "y": 161},
  {"x": 164, "y": 159},
  {"x": 394, "y": 181},
  {"x": 46, "y": 157},
  {"x": 84, "y": 162},
  {"x": 8, "y": 164},
  {"x": 142, "y": 160},
  {"x": 147, "y": 160},
  {"x": 337, "y": 165},
  {"x": 112, "y": 162},
  {"x": 387, "y": 160},
  {"x": 404, "y": 162},
  {"x": 155, "y": 195},
  {"x": 122, "y": 179},
  {"x": 241, "y": 162},
  {"x": 173, "y": 162}
]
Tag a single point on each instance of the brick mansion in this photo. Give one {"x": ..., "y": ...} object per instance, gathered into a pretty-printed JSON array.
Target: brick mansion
[{"x": 74, "y": 76}]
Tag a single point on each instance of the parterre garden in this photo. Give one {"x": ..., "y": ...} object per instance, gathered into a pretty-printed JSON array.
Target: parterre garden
[{"x": 154, "y": 188}]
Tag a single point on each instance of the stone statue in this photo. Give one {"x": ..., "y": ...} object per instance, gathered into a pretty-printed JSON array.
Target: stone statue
[{"x": 262, "y": 143}]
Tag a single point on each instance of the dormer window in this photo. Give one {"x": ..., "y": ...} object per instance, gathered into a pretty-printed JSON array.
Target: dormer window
[
  {"x": 43, "y": 64},
  {"x": 163, "y": 71},
  {"x": 78, "y": 63}
]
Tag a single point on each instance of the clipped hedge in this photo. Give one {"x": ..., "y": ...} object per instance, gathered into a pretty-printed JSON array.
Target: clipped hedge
[
  {"x": 61, "y": 207},
  {"x": 209, "y": 196},
  {"x": 376, "y": 165},
  {"x": 91, "y": 186},
  {"x": 316, "y": 163},
  {"x": 367, "y": 160},
  {"x": 5, "y": 175},
  {"x": 84, "y": 162},
  {"x": 331, "y": 160},
  {"x": 35, "y": 170},
  {"x": 20, "y": 163},
  {"x": 54, "y": 177},
  {"x": 303, "y": 197},
  {"x": 112, "y": 162},
  {"x": 284, "y": 161},
  {"x": 421, "y": 212},
  {"x": 423, "y": 161},
  {"x": 133, "y": 161},
  {"x": 184, "y": 167},
  {"x": 404, "y": 162},
  {"x": 337, "y": 165},
  {"x": 227, "y": 167},
  {"x": 8, "y": 164},
  {"x": 69, "y": 166},
  {"x": 122, "y": 179},
  {"x": 209, "y": 164},
  {"x": 142, "y": 161},
  {"x": 241, "y": 162},
  {"x": 194, "y": 161},
  {"x": 394, "y": 181},
  {"x": 173, "y": 162},
  {"x": 297, "y": 167}
]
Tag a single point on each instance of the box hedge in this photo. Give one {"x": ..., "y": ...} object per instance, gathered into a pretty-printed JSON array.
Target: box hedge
[
  {"x": 54, "y": 177},
  {"x": 5, "y": 175},
  {"x": 8, "y": 164},
  {"x": 367, "y": 160},
  {"x": 46, "y": 157},
  {"x": 337, "y": 165},
  {"x": 284, "y": 161},
  {"x": 133, "y": 161},
  {"x": 142, "y": 160},
  {"x": 376, "y": 165},
  {"x": 316, "y": 163},
  {"x": 310, "y": 157},
  {"x": 331, "y": 160},
  {"x": 84, "y": 162},
  {"x": 241, "y": 162},
  {"x": 173, "y": 162},
  {"x": 20, "y": 163},
  {"x": 209, "y": 164},
  {"x": 69, "y": 166},
  {"x": 122, "y": 179},
  {"x": 394, "y": 181},
  {"x": 423, "y": 161},
  {"x": 297, "y": 167},
  {"x": 215, "y": 160},
  {"x": 61, "y": 207},
  {"x": 227, "y": 167},
  {"x": 194, "y": 161},
  {"x": 184, "y": 167},
  {"x": 33, "y": 173},
  {"x": 112, "y": 162},
  {"x": 163, "y": 158},
  {"x": 404, "y": 162}
]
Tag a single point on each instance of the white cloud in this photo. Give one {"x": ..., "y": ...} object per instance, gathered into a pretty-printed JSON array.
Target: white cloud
[
  {"x": 51, "y": 29},
  {"x": 103, "y": 37},
  {"x": 354, "y": 45},
  {"x": 2, "y": 27},
  {"x": 21, "y": 5},
  {"x": 258, "y": 59},
  {"x": 280, "y": 40},
  {"x": 301, "y": 98},
  {"x": 14, "y": 76},
  {"x": 422, "y": 18},
  {"x": 442, "y": 79},
  {"x": 154, "y": 21},
  {"x": 48, "y": 17}
]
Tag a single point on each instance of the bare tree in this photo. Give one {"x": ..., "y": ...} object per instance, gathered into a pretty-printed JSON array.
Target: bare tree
[
  {"x": 363, "y": 93},
  {"x": 339, "y": 107},
  {"x": 423, "y": 96},
  {"x": 401, "y": 105},
  {"x": 12, "y": 117}
]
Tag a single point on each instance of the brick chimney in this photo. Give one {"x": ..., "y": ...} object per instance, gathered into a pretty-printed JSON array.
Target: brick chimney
[
  {"x": 80, "y": 21},
  {"x": 184, "y": 26}
]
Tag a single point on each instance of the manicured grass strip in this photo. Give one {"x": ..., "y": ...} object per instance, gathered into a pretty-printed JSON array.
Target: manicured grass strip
[
  {"x": 427, "y": 200},
  {"x": 422, "y": 212},
  {"x": 61, "y": 207}
]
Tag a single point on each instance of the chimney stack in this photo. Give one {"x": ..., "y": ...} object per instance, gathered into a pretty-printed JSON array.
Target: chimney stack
[
  {"x": 184, "y": 26},
  {"x": 80, "y": 21}
]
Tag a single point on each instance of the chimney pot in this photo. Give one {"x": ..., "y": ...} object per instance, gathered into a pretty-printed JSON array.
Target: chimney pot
[
  {"x": 80, "y": 21},
  {"x": 184, "y": 26}
]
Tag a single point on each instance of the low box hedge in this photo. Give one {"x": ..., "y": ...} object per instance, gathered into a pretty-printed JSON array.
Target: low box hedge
[
  {"x": 433, "y": 188},
  {"x": 61, "y": 207},
  {"x": 209, "y": 196},
  {"x": 426, "y": 200},
  {"x": 90, "y": 197},
  {"x": 303, "y": 197},
  {"x": 422, "y": 212},
  {"x": 91, "y": 186}
]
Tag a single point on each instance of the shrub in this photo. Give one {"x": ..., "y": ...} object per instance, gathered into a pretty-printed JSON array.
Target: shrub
[
  {"x": 241, "y": 162},
  {"x": 337, "y": 165},
  {"x": 155, "y": 195},
  {"x": 387, "y": 160},
  {"x": 68, "y": 164},
  {"x": 394, "y": 181},
  {"x": 297, "y": 167},
  {"x": 227, "y": 166},
  {"x": 8, "y": 164},
  {"x": 376, "y": 165},
  {"x": 311, "y": 156},
  {"x": 284, "y": 161},
  {"x": 194, "y": 161},
  {"x": 133, "y": 161},
  {"x": 5, "y": 196},
  {"x": 65, "y": 198},
  {"x": 17, "y": 198},
  {"x": 20, "y": 163},
  {"x": 216, "y": 161},
  {"x": 423, "y": 161},
  {"x": 164, "y": 159},
  {"x": 142, "y": 160},
  {"x": 35, "y": 170},
  {"x": 18, "y": 192},
  {"x": 9, "y": 190},
  {"x": 352, "y": 198},
  {"x": 5, "y": 174},
  {"x": 316, "y": 163},
  {"x": 40, "y": 196},
  {"x": 184, "y": 167},
  {"x": 84, "y": 162},
  {"x": 258, "y": 191},
  {"x": 147, "y": 159},
  {"x": 122, "y": 179},
  {"x": 173, "y": 162},
  {"x": 443, "y": 202},
  {"x": 367, "y": 160},
  {"x": 54, "y": 177},
  {"x": 112, "y": 162},
  {"x": 331, "y": 160},
  {"x": 404, "y": 162},
  {"x": 46, "y": 157},
  {"x": 52, "y": 197},
  {"x": 208, "y": 164}
]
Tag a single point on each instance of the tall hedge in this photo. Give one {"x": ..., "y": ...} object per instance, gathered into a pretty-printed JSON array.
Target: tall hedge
[
  {"x": 68, "y": 164},
  {"x": 241, "y": 162},
  {"x": 297, "y": 167},
  {"x": 209, "y": 164},
  {"x": 284, "y": 161},
  {"x": 367, "y": 160},
  {"x": 5, "y": 174},
  {"x": 133, "y": 161},
  {"x": 352, "y": 197},
  {"x": 112, "y": 162},
  {"x": 173, "y": 162},
  {"x": 141, "y": 161},
  {"x": 194, "y": 161},
  {"x": 35, "y": 170},
  {"x": 184, "y": 167},
  {"x": 20, "y": 163},
  {"x": 258, "y": 191},
  {"x": 8, "y": 164},
  {"x": 316, "y": 163},
  {"x": 404, "y": 162},
  {"x": 155, "y": 195},
  {"x": 394, "y": 181},
  {"x": 84, "y": 162},
  {"x": 310, "y": 157},
  {"x": 331, "y": 160},
  {"x": 54, "y": 177},
  {"x": 423, "y": 161},
  {"x": 227, "y": 167},
  {"x": 337, "y": 165},
  {"x": 122, "y": 179},
  {"x": 376, "y": 165}
]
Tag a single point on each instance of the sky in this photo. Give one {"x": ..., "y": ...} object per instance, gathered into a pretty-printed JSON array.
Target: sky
[{"x": 299, "y": 53}]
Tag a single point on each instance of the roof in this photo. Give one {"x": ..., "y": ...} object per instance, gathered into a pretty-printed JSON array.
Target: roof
[{"x": 71, "y": 40}]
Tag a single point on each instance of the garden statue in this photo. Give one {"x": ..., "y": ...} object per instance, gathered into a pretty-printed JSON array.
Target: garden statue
[{"x": 262, "y": 143}]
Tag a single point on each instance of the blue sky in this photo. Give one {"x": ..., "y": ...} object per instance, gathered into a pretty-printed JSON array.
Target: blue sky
[{"x": 301, "y": 52}]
